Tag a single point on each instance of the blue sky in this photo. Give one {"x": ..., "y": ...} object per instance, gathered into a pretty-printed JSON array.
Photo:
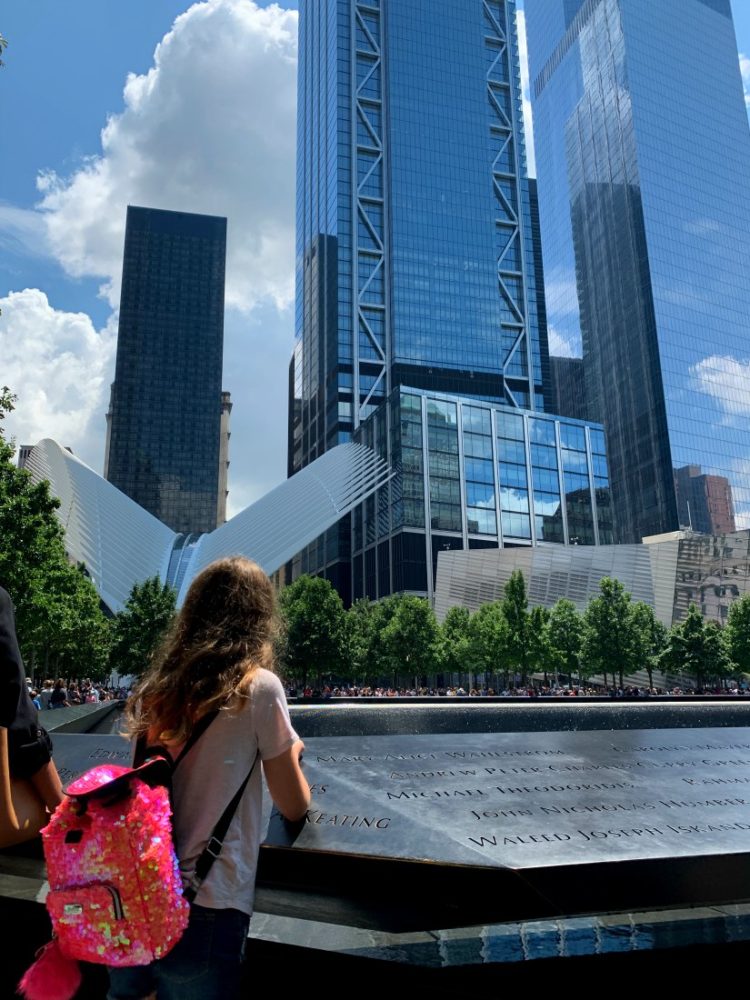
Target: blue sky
[{"x": 208, "y": 126}]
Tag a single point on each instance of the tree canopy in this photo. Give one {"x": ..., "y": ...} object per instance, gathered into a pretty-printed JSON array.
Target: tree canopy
[
  {"x": 610, "y": 643},
  {"x": 140, "y": 627},
  {"x": 515, "y": 608},
  {"x": 61, "y": 626},
  {"x": 696, "y": 649},
  {"x": 566, "y": 630},
  {"x": 314, "y": 639},
  {"x": 738, "y": 633}
]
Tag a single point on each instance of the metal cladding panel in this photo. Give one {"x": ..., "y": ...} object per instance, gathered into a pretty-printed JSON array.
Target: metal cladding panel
[
  {"x": 471, "y": 578},
  {"x": 273, "y": 529},
  {"x": 118, "y": 541}
]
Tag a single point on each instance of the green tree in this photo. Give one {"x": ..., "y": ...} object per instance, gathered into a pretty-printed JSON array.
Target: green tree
[
  {"x": 140, "y": 627},
  {"x": 359, "y": 635},
  {"x": 516, "y": 611},
  {"x": 314, "y": 629},
  {"x": 7, "y": 401},
  {"x": 541, "y": 654},
  {"x": 566, "y": 628},
  {"x": 455, "y": 641},
  {"x": 410, "y": 640},
  {"x": 652, "y": 637},
  {"x": 696, "y": 649},
  {"x": 611, "y": 637},
  {"x": 73, "y": 634},
  {"x": 61, "y": 627},
  {"x": 488, "y": 635},
  {"x": 738, "y": 633}
]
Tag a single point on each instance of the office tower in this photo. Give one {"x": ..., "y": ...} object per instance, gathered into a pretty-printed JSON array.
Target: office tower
[
  {"x": 567, "y": 390},
  {"x": 224, "y": 436},
  {"x": 643, "y": 152},
  {"x": 704, "y": 503},
  {"x": 414, "y": 260},
  {"x": 541, "y": 305},
  {"x": 414, "y": 238},
  {"x": 473, "y": 475},
  {"x": 164, "y": 424}
]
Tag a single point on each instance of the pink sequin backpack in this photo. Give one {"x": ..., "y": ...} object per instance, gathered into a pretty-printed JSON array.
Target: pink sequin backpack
[
  {"x": 116, "y": 895},
  {"x": 115, "y": 892}
]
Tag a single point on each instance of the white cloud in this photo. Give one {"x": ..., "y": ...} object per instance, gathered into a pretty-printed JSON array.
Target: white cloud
[
  {"x": 59, "y": 366},
  {"x": 702, "y": 226},
  {"x": 559, "y": 347},
  {"x": 738, "y": 475},
  {"x": 745, "y": 71},
  {"x": 727, "y": 381},
  {"x": 528, "y": 129},
  {"x": 258, "y": 446},
  {"x": 22, "y": 226},
  {"x": 209, "y": 128}
]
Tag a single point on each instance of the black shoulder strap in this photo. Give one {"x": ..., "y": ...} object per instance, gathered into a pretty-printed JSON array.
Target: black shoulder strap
[
  {"x": 144, "y": 750},
  {"x": 212, "y": 850}
]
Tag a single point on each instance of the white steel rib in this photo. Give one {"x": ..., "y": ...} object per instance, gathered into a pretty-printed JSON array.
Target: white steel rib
[{"x": 121, "y": 544}]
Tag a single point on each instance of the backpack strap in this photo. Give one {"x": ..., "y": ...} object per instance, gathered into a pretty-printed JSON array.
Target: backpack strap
[
  {"x": 212, "y": 850},
  {"x": 144, "y": 752}
]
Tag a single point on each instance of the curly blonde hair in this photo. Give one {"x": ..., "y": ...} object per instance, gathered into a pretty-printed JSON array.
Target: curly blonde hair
[{"x": 221, "y": 635}]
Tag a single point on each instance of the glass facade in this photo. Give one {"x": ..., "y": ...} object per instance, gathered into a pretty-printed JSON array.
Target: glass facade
[
  {"x": 644, "y": 194},
  {"x": 414, "y": 257},
  {"x": 164, "y": 424},
  {"x": 471, "y": 474}
]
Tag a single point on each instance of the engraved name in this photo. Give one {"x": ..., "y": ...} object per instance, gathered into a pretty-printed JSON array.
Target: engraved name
[
  {"x": 435, "y": 793},
  {"x": 593, "y": 787},
  {"x": 317, "y": 818}
]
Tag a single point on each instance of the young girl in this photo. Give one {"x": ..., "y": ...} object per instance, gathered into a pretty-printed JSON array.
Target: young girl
[{"x": 217, "y": 656}]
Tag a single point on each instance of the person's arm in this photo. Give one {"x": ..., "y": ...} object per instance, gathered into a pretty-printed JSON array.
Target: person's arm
[
  {"x": 22, "y": 813},
  {"x": 287, "y": 784},
  {"x": 47, "y": 783}
]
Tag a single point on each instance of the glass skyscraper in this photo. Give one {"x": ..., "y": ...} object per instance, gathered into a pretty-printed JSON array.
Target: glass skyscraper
[
  {"x": 415, "y": 257},
  {"x": 414, "y": 243},
  {"x": 165, "y": 420},
  {"x": 643, "y": 163}
]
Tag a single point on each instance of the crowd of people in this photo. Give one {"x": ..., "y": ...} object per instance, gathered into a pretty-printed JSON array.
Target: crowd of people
[
  {"x": 529, "y": 691},
  {"x": 65, "y": 692}
]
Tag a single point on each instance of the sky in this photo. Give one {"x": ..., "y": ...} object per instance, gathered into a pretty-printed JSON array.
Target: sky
[{"x": 170, "y": 105}]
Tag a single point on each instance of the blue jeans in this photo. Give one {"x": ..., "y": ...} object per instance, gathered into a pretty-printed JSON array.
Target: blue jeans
[{"x": 205, "y": 964}]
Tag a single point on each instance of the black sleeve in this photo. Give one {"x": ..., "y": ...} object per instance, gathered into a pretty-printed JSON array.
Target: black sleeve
[{"x": 13, "y": 693}]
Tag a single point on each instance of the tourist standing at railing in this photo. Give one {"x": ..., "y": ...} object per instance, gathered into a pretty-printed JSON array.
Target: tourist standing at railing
[{"x": 218, "y": 658}]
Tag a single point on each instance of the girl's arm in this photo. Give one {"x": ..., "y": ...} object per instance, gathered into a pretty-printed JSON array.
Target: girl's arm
[{"x": 286, "y": 782}]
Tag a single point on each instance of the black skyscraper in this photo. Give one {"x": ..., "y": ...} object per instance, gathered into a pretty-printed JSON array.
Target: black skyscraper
[{"x": 165, "y": 410}]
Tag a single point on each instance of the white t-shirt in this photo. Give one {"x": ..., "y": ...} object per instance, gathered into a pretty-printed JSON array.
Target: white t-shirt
[{"x": 209, "y": 776}]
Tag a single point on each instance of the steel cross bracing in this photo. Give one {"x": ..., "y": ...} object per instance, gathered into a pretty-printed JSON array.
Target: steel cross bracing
[
  {"x": 514, "y": 339},
  {"x": 369, "y": 216}
]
